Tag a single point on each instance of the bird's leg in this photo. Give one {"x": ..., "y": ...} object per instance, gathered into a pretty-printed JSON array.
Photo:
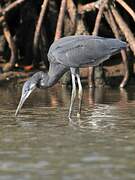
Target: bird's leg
[
  {"x": 73, "y": 94},
  {"x": 80, "y": 91}
]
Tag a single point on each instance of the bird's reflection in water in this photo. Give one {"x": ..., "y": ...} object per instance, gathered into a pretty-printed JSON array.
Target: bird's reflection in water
[
  {"x": 93, "y": 111},
  {"x": 103, "y": 108},
  {"x": 97, "y": 118}
]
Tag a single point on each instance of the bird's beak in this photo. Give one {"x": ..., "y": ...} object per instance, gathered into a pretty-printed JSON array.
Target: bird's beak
[{"x": 23, "y": 99}]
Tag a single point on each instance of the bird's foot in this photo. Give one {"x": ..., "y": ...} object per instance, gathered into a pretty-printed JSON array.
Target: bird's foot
[
  {"x": 69, "y": 118},
  {"x": 78, "y": 115},
  {"x": 91, "y": 86},
  {"x": 71, "y": 122}
]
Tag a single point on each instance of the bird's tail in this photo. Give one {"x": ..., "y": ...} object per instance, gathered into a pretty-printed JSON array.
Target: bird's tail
[
  {"x": 123, "y": 45},
  {"x": 117, "y": 45}
]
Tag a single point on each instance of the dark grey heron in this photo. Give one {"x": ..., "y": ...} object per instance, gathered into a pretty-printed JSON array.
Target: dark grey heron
[{"x": 72, "y": 53}]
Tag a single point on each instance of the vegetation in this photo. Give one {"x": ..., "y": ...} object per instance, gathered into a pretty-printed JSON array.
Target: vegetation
[{"x": 28, "y": 27}]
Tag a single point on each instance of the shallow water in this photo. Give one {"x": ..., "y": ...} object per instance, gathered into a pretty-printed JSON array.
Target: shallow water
[{"x": 41, "y": 144}]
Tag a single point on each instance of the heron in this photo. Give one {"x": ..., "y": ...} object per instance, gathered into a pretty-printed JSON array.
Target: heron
[{"x": 69, "y": 54}]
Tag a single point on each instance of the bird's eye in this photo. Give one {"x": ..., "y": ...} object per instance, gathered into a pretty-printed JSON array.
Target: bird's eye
[{"x": 25, "y": 90}]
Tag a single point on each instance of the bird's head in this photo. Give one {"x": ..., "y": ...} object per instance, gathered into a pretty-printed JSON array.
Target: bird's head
[
  {"x": 28, "y": 87},
  {"x": 38, "y": 80}
]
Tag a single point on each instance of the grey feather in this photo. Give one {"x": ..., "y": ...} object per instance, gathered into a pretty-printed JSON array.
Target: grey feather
[{"x": 81, "y": 51}]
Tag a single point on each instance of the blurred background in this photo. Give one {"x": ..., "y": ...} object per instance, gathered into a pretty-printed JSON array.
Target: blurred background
[{"x": 29, "y": 27}]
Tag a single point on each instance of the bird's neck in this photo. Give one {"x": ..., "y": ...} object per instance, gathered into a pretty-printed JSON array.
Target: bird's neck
[
  {"x": 52, "y": 76},
  {"x": 44, "y": 81}
]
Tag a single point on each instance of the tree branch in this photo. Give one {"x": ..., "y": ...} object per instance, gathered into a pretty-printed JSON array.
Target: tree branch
[
  {"x": 95, "y": 32},
  {"x": 60, "y": 20},
  {"x": 127, "y": 8},
  {"x": 8, "y": 66},
  {"x": 10, "y": 7},
  {"x": 88, "y": 7},
  {"x": 99, "y": 16},
  {"x": 72, "y": 11},
  {"x": 38, "y": 26},
  {"x": 110, "y": 19},
  {"x": 124, "y": 28}
]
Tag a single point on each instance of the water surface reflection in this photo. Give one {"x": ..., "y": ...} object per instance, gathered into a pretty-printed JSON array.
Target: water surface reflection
[{"x": 41, "y": 144}]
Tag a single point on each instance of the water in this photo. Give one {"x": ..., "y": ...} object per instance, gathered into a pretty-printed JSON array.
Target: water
[{"x": 41, "y": 144}]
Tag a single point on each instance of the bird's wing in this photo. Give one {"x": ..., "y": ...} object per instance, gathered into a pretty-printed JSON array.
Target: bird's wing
[{"x": 80, "y": 51}]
